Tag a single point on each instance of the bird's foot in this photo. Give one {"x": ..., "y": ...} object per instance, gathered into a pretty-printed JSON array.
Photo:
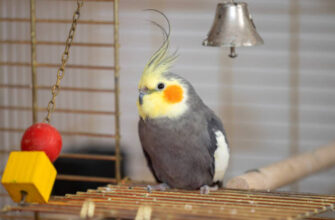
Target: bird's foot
[
  {"x": 160, "y": 187},
  {"x": 206, "y": 189}
]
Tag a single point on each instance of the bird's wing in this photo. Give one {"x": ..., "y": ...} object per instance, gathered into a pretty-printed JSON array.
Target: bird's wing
[{"x": 218, "y": 147}]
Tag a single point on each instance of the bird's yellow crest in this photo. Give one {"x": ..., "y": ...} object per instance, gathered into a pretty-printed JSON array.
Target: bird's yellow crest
[
  {"x": 160, "y": 62},
  {"x": 161, "y": 96}
]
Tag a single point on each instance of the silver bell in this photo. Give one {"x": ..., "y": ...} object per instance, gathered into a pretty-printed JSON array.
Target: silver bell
[{"x": 233, "y": 27}]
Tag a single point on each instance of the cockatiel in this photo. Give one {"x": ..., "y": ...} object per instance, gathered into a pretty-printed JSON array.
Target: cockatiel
[{"x": 183, "y": 141}]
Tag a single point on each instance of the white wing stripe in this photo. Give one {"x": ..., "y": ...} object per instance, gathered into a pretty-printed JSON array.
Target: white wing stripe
[{"x": 221, "y": 156}]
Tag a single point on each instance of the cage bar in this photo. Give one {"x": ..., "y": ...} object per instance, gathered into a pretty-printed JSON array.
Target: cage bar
[
  {"x": 117, "y": 91},
  {"x": 33, "y": 59},
  {"x": 88, "y": 156},
  {"x": 65, "y": 88},
  {"x": 54, "y": 65},
  {"x": 90, "y": 0},
  {"x": 60, "y": 21},
  {"x": 60, "y": 110},
  {"x": 57, "y": 43},
  {"x": 67, "y": 133}
]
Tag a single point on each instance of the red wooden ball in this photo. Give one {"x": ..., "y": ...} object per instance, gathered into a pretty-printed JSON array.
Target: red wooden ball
[{"x": 42, "y": 137}]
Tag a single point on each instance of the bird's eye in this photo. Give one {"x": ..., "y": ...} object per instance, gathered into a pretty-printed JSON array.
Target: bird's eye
[{"x": 160, "y": 86}]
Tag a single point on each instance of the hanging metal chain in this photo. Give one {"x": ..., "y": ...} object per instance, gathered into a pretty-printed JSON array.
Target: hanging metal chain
[{"x": 65, "y": 57}]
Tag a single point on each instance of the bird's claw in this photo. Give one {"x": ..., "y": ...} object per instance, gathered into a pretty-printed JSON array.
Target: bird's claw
[
  {"x": 149, "y": 188},
  {"x": 206, "y": 189},
  {"x": 160, "y": 187}
]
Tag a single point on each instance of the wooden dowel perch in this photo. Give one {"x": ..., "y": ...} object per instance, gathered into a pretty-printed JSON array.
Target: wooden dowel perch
[{"x": 286, "y": 171}]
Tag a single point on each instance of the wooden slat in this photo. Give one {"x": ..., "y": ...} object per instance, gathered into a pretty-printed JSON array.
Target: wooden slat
[
  {"x": 125, "y": 200},
  {"x": 85, "y": 178},
  {"x": 27, "y": 217}
]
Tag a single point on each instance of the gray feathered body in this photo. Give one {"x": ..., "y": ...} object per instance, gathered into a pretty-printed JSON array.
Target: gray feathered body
[{"x": 180, "y": 151}]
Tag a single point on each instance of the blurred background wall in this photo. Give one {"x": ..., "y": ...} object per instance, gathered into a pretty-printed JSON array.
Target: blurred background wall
[{"x": 256, "y": 95}]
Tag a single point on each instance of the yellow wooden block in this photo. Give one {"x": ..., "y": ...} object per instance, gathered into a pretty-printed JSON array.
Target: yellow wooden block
[{"x": 29, "y": 171}]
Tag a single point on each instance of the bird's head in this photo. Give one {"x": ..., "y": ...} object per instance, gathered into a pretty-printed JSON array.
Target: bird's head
[{"x": 161, "y": 94}]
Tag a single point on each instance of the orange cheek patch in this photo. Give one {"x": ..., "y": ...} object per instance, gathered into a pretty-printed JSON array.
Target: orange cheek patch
[{"x": 173, "y": 94}]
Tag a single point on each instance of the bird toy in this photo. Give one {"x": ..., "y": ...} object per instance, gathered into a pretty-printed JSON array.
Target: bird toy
[{"x": 29, "y": 175}]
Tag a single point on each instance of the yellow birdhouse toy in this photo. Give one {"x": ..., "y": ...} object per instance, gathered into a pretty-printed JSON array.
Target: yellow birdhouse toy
[{"x": 29, "y": 174}]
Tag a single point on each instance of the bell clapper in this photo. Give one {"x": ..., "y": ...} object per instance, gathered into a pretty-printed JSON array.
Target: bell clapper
[{"x": 232, "y": 54}]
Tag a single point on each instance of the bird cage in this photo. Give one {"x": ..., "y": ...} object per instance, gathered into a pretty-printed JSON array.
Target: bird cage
[
  {"x": 88, "y": 100},
  {"x": 33, "y": 42}
]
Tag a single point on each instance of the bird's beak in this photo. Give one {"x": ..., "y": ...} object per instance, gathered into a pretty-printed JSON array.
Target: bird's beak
[{"x": 142, "y": 93}]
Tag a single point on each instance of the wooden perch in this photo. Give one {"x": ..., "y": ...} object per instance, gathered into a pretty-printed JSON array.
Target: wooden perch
[{"x": 286, "y": 171}]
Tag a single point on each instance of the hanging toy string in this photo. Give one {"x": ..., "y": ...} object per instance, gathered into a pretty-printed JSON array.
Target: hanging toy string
[{"x": 65, "y": 57}]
